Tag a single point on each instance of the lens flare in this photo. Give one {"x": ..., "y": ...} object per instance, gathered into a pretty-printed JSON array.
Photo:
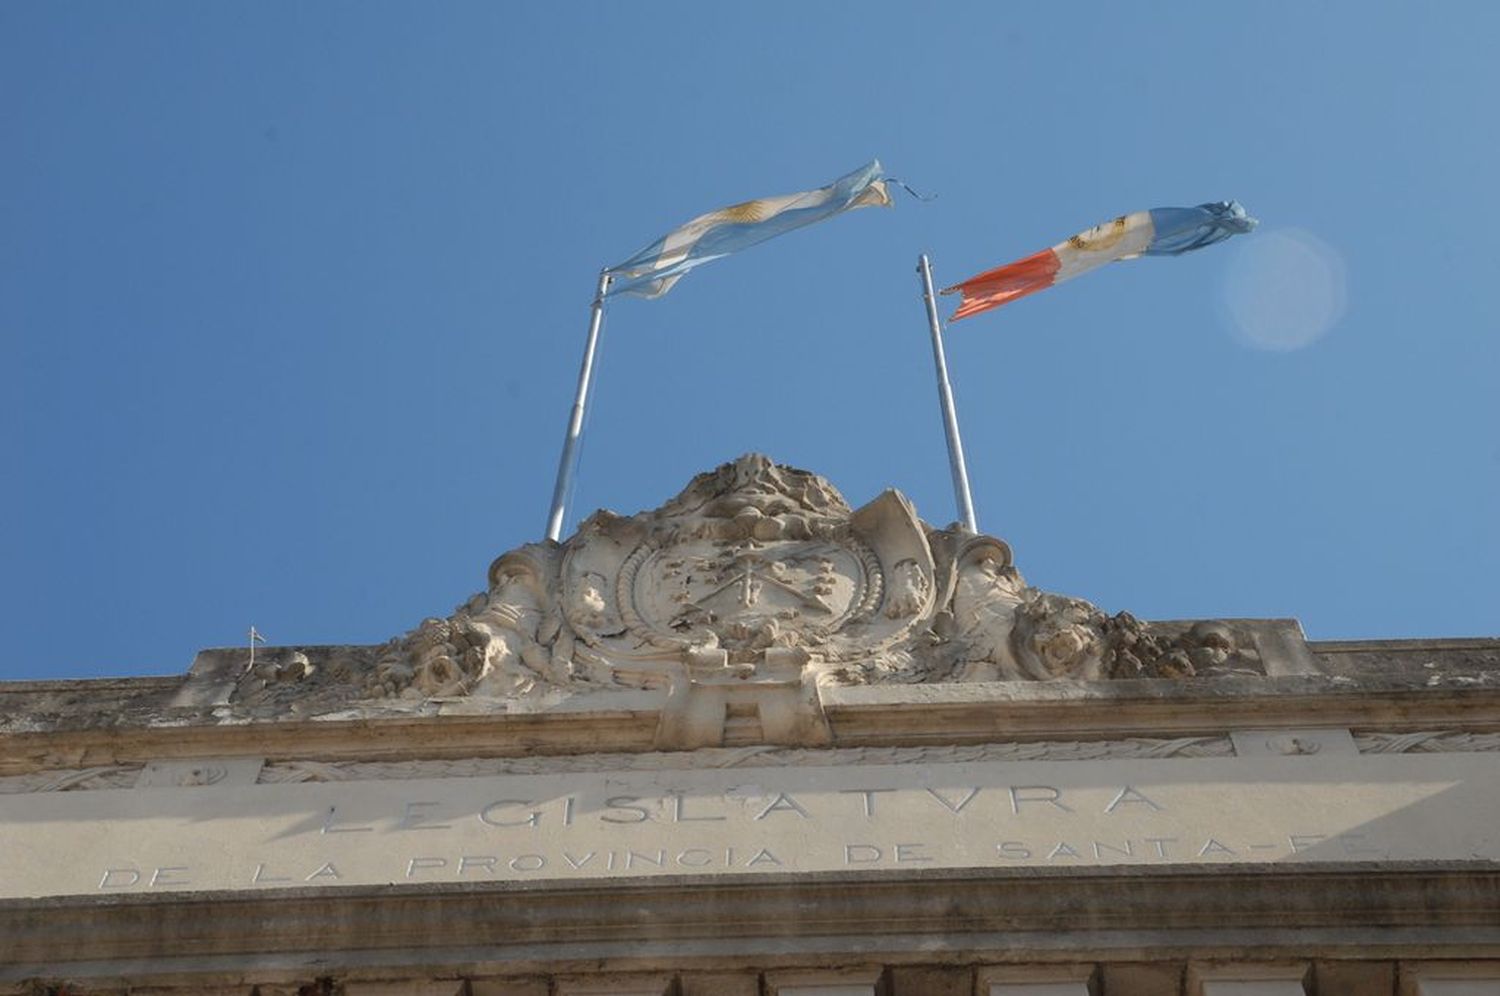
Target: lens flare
[{"x": 1284, "y": 290}]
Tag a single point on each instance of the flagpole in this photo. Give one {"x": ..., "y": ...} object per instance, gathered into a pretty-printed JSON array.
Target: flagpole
[
  {"x": 575, "y": 420},
  {"x": 961, "y": 494}
]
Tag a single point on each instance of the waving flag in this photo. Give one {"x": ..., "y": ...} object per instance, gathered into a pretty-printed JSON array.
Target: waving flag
[
  {"x": 1158, "y": 232},
  {"x": 653, "y": 270}
]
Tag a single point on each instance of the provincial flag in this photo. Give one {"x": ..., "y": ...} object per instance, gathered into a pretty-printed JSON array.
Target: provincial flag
[
  {"x": 1158, "y": 232},
  {"x": 653, "y": 270}
]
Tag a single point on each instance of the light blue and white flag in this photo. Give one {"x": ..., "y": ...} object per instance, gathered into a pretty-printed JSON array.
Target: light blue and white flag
[{"x": 653, "y": 270}]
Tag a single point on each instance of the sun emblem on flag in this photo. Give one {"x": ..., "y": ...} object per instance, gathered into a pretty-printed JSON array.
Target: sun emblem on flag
[
  {"x": 1100, "y": 237},
  {"x": 746, "y": 213}
]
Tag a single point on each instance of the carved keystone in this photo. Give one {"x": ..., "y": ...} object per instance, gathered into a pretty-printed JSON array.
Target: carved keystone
[{"x": 728, "y": 711}]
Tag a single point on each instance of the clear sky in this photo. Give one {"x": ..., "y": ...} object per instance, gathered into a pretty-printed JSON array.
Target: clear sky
[{"x": 292, "y": 298}]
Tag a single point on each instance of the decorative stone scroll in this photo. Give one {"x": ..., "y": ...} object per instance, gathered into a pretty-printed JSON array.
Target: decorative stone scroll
[
  {"x": 741, "y": 598},
  {"x": 73, "y": 779},
  {"x": 1427, "y": 742}
]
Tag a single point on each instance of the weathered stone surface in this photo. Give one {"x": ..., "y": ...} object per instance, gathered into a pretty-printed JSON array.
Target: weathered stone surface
[
  {"x": 1037, "y": 980},
  {"x": 1044, "y": 915},
  {"x": 754, "y": 608},
  {"x": 719, "y": 984},
  {"x": 1355, "y": 978},
  {"x": 509, "y": 987},
  {"x": 741, "y": 598},
  {"x": 853, "y": 689},
  {"x": 1161, "y": 978},
  {"x": 1152, "y": 814},
  {"x": 867, "y": 980},
  {"x": 1466, "y": 661},
  {"x": 931, "y": 980}
]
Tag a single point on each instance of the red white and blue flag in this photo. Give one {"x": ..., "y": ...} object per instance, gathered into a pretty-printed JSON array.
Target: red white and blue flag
[{"x": 1158, "y": 232}]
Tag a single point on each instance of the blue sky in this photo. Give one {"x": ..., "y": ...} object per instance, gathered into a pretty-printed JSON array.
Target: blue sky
[{"x": 292, "y": 298}]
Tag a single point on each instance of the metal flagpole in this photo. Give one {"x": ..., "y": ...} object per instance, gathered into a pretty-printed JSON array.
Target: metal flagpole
[
  {"x": 575, "y": 420},
  {"x": 945, "y": 399},
  {"x": 255, "y": 638}
]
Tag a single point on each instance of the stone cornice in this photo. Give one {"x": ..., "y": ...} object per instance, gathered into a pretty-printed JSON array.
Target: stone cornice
[
  {"x": 1379, "y": 911},
  {"x": 1393, "y": 701}
]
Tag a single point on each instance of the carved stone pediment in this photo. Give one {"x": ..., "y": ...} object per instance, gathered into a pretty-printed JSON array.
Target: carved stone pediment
[
  {"x": 754, "y": 569},
  {"x": 741, "y": 598}
]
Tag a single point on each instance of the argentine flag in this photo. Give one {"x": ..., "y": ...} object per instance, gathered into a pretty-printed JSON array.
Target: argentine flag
[{"x": 653, "y": 270}]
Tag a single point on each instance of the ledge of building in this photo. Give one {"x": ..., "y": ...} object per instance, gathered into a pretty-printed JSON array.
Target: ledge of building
[
  {"x": 1390, "y": 685},
  {"x": 1375, "y": 911}
]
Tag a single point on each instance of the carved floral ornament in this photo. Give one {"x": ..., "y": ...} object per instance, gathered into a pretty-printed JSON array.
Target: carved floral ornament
[{"x": 756, "y": 579}]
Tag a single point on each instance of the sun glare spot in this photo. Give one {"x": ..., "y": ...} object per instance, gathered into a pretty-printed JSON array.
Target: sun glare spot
[{"x": 1284, "y": 289}]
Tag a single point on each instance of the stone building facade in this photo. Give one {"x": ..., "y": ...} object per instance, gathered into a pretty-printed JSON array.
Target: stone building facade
[{"x": 759, "y": 743}]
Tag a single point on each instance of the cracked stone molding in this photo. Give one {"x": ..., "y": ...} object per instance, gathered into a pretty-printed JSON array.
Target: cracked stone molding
[{"x": 740, "y": 600}]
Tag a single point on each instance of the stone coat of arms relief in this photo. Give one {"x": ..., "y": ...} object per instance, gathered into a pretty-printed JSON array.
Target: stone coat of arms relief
[{"x": 741, "y": 598}]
